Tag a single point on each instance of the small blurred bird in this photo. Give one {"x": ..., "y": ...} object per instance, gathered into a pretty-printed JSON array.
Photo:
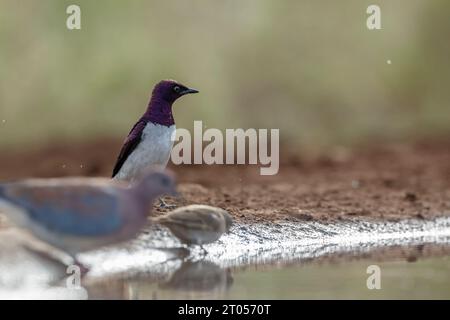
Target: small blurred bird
[
  {"x": 150, "y": 141},
  {"x": 197, "y": 224},
  {"x": 82, "y": 214}
]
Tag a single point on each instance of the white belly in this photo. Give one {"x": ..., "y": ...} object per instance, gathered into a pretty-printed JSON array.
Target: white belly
[{"x": 153, "y": 151}]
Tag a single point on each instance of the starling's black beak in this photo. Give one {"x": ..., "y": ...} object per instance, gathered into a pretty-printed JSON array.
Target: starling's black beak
[{"x": 188, "y": 91}]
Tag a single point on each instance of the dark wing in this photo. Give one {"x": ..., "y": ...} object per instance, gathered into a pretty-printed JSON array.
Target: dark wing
[
  {"x": 131, "y": 142},
  {"x": 74, "y": 210}
]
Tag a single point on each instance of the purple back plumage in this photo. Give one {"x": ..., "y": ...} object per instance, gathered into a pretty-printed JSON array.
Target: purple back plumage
[{"x": 131, "y": 142}]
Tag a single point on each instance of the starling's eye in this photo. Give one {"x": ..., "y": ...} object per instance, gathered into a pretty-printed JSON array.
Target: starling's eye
[{"x": 176, "y": 89}]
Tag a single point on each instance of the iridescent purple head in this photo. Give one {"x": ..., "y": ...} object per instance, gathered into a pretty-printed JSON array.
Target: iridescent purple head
[{"x": 164, "y": 94}]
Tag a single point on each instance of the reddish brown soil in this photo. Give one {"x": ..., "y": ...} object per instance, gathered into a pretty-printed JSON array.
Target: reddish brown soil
[{"x": 388, "y": 182}]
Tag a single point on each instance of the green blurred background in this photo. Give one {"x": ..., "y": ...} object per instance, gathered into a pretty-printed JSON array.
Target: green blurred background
[{"x": 310, "y": 68}]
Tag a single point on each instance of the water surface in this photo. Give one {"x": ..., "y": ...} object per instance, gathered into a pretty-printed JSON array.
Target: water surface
[
  {"x": 281, "y": 260},
  {"x": 423, "y": 279}
]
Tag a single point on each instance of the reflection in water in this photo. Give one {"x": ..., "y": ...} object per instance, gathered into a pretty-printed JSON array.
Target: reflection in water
[
  {"x": 154, "y": 266},
  {"x": 193, "y": 280},
  {"x": 199, "y": 276},
  {"x": 423, "y": 279},
  {"x": 27, "y": 271}
]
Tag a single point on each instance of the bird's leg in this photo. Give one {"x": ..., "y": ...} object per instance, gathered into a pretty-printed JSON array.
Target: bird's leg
[
  {"x": 83, "y": 269},
  {"x": 204, "y": 252},
  {"x": 164, "y": 205}
]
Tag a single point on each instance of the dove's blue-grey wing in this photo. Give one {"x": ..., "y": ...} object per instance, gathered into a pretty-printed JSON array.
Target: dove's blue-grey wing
[
  {"x": 131, "y": 142},
  {"x": 72, "y": 210}
]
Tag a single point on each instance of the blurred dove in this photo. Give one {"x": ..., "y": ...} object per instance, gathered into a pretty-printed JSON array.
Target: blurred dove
[
  {"x": 150, "y": 141},
  {"x": 82, "y": 214},
  {"x": 197, "y": 224}
]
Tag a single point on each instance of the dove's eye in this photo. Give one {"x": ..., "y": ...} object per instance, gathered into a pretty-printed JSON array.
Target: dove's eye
[
  {"x": 165, "y": 182},
  {"x": 176, "y": 89}
]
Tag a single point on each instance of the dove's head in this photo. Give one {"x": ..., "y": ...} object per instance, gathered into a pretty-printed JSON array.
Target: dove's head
[{"x": 156, "y": 184}]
